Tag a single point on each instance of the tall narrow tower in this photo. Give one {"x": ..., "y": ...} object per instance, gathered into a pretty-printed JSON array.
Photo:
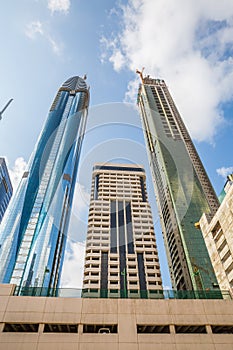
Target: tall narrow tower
[
  {"x": 33, "y": 233},
  {"x": 182, "y": 187},
  {"x": 121, "y": 253}
]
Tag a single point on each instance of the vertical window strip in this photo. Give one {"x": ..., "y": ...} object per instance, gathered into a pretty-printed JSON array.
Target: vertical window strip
[
  {"x": 143, "y": 189},
  {"x": 129, "y": 228},
  {"x": 142, "y": 276},
  {"x": 104, "y": 275},
  {"x": 113, "y": 228},
  {"x": 122, "y": 250},
  {"x": 96, "y": 188}
]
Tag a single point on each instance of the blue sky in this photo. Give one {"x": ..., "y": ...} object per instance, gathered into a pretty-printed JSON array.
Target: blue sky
[{"x": 188, "y": 43}]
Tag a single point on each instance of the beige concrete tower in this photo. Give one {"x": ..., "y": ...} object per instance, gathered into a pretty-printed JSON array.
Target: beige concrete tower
[
  {"x": 218, "y": 236},
  {"x": 121, "y": 254}
]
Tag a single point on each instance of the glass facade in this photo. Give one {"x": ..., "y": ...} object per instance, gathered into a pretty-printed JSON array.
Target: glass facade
[
  {"x": 183, "y": 190},
  {"x": 33, "y": 233},
  {"x": 6, "y": 189}
]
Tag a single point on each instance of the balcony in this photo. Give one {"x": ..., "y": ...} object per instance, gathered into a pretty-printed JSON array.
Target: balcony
[{"x": 84, "y": 293}]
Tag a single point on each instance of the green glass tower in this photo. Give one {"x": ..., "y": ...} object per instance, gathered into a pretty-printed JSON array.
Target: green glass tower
[{"x": 182, "y": 187}]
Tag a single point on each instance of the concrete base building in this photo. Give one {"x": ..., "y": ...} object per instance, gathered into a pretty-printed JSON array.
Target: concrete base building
[
  {"x": 41, "y": 323},
  {"x": 218, "y": 235}
]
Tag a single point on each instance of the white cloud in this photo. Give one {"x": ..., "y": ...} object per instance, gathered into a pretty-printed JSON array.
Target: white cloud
[
  {"x": 57, "y": 48},
  {"x": 79, "y": 214},
  {"x": 73, "y": 267},
  {"x": 59, "y": 5},
  {"x": 16, "y": 171},
  {"x": 189, "y": 44},
  {"x": 72, "y": 272},
  {"x": 33, "y": 29},
  {"x": 38, "y": 28},
  {"x": 81, "y": 201},
  {"x": 118, "y": 60},
  {"x": 225, "y": 171},
  {"x": 132, "y": 90}
]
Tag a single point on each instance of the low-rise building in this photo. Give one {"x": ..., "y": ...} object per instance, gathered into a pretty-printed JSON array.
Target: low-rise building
[{"x": 218, "y": 235}]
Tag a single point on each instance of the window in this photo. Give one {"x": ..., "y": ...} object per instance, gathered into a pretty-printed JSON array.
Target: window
[
  {"x": 94, "y": 273},
  {"x": 152, "y": 329},
  {"x": 222, "y": 329},
  {"x": 60, "y": 328},
  {"x": 190, "y": 329},
  {"x": 94, "y": 328},
  {"x": 21, "y": 327}
]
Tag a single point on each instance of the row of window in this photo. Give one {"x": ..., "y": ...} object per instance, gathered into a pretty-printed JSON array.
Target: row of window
[
  {"x": 116, "y": 282},
  {"x": 103, "y": 206},
  {"x": 116, "y": 274},
  {"x": 113, "y": 328},
  {"x": 116, "y": 267},
  {"x": 104, "y": 223},
  {"x": 117, "y": 191},
  {"x": 113, "y": 258},
  {"x": 119, "y": 185}
]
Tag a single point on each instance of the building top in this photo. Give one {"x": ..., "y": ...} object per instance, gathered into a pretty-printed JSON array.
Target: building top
[
  {"x": 226, "y": 187},
  {"x": 148, "y": 80},
  {"x": 6, "y": 173},
  {"x": 118, "y": 167},
  {"x": 6, "y": 188},
  {"x": 152, "y": 81},
  {"x": 224, "y": 204},
  {"x": 228, "y": 183},
  {"x": 72, "y": 86},
  {"x": 75, "y": 83}
]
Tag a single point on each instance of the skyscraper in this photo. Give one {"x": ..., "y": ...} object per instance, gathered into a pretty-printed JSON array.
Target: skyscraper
[
  {"x": 6, "y": 189},
  {"x": 33, "y": 234},
  {"x": 121, "y": 253},
  {"x": 183, "y": 190}
]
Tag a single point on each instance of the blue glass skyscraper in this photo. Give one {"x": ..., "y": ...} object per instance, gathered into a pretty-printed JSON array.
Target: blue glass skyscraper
[
  {"x": 33, "y": 233},
  {"x": 6, "y": 189}
]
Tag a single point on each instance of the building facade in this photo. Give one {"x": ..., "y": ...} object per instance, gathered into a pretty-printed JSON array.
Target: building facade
[
  {"x": 33, "y": 234},
  {"x": 6, "y": 189},
  {"x": 183, "y": 190},
  {"x": 218, "y": 235},
  {"x": 121, "y": 253}
]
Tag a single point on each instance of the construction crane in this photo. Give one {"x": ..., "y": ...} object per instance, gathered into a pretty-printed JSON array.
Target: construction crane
[
  {"x": 3, "y": 110},
  {"x": 140, "y": 73}
]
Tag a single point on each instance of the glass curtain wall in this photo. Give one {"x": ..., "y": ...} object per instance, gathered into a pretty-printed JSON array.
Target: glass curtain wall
[
  {"x": 183, "y": 190},
  {"x": 33, "y": 234}
]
